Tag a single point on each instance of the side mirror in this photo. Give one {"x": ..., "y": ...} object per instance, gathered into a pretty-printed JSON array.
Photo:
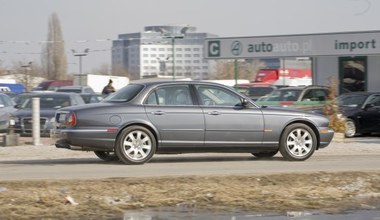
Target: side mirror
[
  {"x": 244, "y": 102},
  {"x": 368, "y": 106}
]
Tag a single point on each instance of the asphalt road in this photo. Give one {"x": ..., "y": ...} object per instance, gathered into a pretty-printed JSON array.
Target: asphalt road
[{"x": 47, "y": 162}]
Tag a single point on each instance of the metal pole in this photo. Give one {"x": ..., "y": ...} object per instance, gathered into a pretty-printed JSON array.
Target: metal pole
[
  {"x": 236, "y": 71},
  {"x": 80, "y": 70},
  {"x": 173, "y": 39},
  {"x": 36, "y": 121}
]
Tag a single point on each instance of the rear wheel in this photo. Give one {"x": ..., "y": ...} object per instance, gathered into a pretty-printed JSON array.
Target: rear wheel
[
  {"x": 350, "y": 128},
  {"x": 265, "y": 154},
  {"x": 106, "y": 156},
  {"x": 135, "y": 145},
  {"x": 298, "y": 142}
]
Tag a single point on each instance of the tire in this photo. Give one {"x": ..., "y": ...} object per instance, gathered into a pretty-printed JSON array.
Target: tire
[
  {"x": 265, "y": 154},
  {"x": 350, "y": 128},
  {"x": 298, "y": 142},
  {"x": 135, "y": 145},
  {"x": 106, "y": 156}
]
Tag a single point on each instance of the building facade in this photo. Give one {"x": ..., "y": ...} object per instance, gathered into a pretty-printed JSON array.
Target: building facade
[
  {"x": 353, "y": 58},
  {"x": 150, "y": 53}
]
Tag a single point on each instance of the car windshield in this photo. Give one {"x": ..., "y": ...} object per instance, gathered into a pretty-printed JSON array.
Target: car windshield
[
  {"x": 125, "y": 94},
  {"x": 70, "y": 90},
  {"x": 284, "y": 95},
  {"x": 351, "y": 100}
]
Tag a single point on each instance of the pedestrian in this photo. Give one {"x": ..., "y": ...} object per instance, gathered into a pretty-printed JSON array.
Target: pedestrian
[{"x": 108, "y": 89}]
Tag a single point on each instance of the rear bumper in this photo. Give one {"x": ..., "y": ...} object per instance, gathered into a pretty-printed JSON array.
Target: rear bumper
[{"x": 83, "y": 139}]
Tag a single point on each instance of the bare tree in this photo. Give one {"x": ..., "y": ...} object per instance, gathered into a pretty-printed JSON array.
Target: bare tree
[
  {"x": 247, "y": 69},
  {"x": 103, "y": 69},
  {"x": 27, "y": 74},
  {"x": 53, "y": 56}
]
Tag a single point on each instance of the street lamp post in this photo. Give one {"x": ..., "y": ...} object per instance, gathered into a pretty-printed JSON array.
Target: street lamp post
[
  {"x": 173, "y": 51},
  {"x": 80, "y": 55}
]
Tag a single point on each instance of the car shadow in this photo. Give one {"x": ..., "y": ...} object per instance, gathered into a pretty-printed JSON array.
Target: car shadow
[{"x": 154, "y": 160}]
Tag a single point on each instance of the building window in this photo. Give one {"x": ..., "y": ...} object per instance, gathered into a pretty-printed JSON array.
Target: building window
[
  {"x": 153, "y": 55},
  {"x": 145, "y": 49},
  {"x": 153, "y": 49},
  {"x": 196, "y": 55},
  {"x": 196, "y": 61},
  {"x": 195, "y": 49},
  {"x": 178, "y": 49},
  {"x": 145, "y": 55},
  {"x": 178, "y": 55},
  {"x": 187, "y": 49},
  {"x": 187, "y": 55}
]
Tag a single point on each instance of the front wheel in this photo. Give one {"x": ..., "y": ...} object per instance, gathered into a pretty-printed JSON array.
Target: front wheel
[
  {"x": 298, "y": 142},
  {"x": 350, "y": 128},
  {"x": 135, "y": 145}
]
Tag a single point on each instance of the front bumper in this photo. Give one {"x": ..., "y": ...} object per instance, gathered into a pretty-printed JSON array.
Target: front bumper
[{"x": 325, "y": 136}]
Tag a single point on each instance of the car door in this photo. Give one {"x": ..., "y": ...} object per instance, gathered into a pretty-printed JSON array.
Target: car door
[
  {"x": 370, "y": 116},
  {"x": 178, "y": 120},
  {"x": 227, "y": 122}
]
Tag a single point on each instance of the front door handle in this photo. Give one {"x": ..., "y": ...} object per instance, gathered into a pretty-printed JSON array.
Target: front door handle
[
  {"x": 158, "y": 113},
  {"x": 213, "y": 113}
]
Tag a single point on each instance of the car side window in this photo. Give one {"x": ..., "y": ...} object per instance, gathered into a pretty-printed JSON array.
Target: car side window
[
  {"x": 374, "y": 100},
  {"x": 214, "y": 96},
  {"x": 171, "y": 96}
]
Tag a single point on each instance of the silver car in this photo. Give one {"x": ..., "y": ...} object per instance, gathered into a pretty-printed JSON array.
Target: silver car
[{"x": 142, "y": 119}]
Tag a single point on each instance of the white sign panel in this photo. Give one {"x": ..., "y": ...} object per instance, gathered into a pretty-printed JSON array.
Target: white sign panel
[{"x": 351, "y": 43}]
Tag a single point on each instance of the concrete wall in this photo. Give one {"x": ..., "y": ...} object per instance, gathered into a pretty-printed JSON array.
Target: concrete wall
[
  {"x": 373, "y": 80},
  {"x": 324, "y": 68}
]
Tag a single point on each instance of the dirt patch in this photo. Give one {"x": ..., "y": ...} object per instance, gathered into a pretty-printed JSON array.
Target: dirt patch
[{"x": 110, "y": 198}]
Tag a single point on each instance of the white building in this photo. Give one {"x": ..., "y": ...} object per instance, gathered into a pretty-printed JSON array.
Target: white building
[{"x": 150, "y": 53}]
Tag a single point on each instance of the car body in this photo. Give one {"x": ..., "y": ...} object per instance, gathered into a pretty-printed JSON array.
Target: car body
[
  {"x": 362, "y": 112},
  {"x": 49, "y": 103},
  {"x": 142, "y": 119},
  {"x": 76, "y": 89},
  {"x": 7, "y": 107}
]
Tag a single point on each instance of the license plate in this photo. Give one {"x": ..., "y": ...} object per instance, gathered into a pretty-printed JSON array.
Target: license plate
[{"x": 62, "y": 117}]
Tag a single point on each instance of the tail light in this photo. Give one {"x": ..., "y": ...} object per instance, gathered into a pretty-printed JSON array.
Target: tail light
[{"x": 71, "y": 120}]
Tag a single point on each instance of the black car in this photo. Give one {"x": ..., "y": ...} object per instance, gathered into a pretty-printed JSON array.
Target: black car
[
  {"x": 362, "y": 110},
  {"x": 49, "y": 103}
]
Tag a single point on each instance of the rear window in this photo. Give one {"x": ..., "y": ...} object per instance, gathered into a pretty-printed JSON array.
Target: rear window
[{"x": 125, "y": 94}]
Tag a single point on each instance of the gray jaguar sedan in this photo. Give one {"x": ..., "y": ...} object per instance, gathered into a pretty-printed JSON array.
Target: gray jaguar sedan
[{"x": 143, "y": 119}]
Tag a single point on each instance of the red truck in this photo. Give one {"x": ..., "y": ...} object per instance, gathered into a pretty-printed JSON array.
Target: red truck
[{"x": 283, "y": 76}]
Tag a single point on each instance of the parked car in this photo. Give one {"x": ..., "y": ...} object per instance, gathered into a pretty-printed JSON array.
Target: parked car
[
  {"x": 299, "y": 93},
  {"x": 253, "y": 91},
  {"x": 76, "y": 89},
  {"x": 142, "y": 119},
  {"x": 7, "y": 107},
  {"x": 362, "y": 111},
  {"x": 92, "y": 98},
  {"x": 49, "y": 103}
]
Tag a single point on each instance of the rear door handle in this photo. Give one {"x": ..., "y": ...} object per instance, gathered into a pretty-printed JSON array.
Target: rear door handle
[
  {"x": 158, "y": 113},
  {"x": 213, "y": 113}
]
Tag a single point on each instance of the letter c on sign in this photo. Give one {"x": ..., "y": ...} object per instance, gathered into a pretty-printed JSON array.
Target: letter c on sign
[{"x": 214, "y": 49}]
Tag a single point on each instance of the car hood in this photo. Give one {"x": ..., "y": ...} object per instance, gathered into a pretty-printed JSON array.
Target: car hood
[{"x": 349, "y": 111}]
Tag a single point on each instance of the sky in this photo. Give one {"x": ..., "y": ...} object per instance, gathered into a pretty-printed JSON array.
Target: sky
[{"x": 94, "y": 23}]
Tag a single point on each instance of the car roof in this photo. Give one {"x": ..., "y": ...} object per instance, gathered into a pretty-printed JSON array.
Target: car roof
[
  {"x": 359, "y": 93},
  {"x": 73, "y": 87}
]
